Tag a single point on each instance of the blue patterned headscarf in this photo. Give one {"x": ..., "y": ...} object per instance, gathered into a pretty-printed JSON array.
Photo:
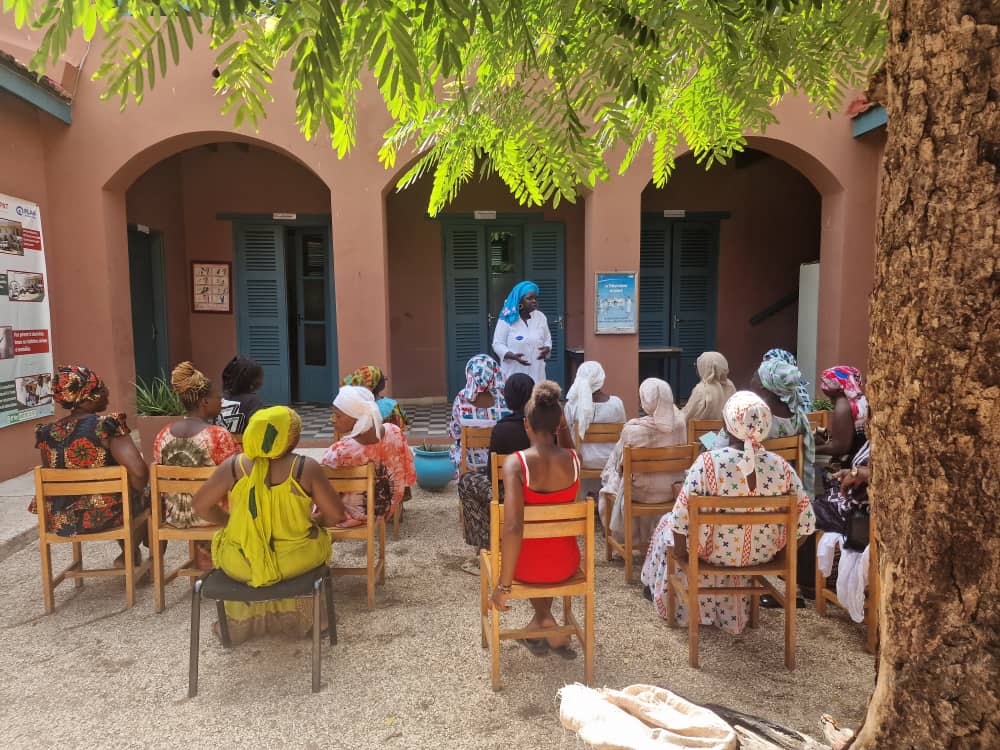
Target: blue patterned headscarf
[
  {"x": 509, "y": 311},
  {"x": 788, "y": 357},
  {"x": 785, "y": 381}
]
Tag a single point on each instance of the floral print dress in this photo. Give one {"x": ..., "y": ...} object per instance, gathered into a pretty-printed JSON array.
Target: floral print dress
[
  {"x": 210, "y": 447},
  {"x": 79, "y": 443},
  {"x": 716, "y": 473}
]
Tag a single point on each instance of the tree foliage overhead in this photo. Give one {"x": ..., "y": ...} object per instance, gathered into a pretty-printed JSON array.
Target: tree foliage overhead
[{"x": 539, "y": 91}]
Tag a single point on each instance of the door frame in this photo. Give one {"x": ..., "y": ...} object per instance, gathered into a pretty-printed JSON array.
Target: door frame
[
  {"x": 161, "y": 317},
  {"x": 301, "y": 221}
]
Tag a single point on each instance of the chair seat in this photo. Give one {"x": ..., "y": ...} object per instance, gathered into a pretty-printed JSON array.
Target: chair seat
[{"x": 217, "y": 585}]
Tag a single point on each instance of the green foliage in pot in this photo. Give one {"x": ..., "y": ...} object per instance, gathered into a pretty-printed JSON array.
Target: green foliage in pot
[
  {"x": 434, "y": 447},
  {"x": 822, "y": 404},
  {"x": 157, "y": 399}
]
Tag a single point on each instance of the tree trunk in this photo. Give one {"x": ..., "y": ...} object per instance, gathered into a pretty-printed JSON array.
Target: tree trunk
[{"x": 935, "y": 386}]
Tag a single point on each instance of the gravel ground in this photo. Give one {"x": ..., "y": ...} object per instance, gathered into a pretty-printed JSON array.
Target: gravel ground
[{"x": 409, "y": 674}]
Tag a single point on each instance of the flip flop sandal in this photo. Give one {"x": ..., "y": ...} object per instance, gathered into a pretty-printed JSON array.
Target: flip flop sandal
[
  {"x": 471, "y": 567},
  {"x": 564, "y": 652},
  {"x": 537, "y": 646}
]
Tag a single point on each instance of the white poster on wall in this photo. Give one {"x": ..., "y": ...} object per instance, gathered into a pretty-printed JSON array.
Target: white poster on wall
[{"x": 25, "y": 329}]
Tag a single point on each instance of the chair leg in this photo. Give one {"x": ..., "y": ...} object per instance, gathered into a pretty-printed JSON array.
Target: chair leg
[
  {"x": 694, "y": 620},
  {"x": 195, "y": 640},
  {"x": 48, "y": 590},
  {"x": 78, "y": 563},
  {"x": 220, "y": 608},
  {"x": 331, "y": 612},
  {"x": 156, "y": 552},
  {"x": 483, "y": 604},
  {"x": 381, "y": 553},
  {"x": 129, "y": 566},
  {"x": 628, "y": 549},
  {"x": 495, "y": 648},
  {"x": 370, "y": 579},
  {"x": 820, "y": 583},
  {"x": 790, "y": 625},
  {"x": 316, "y": 666},
  {"x": 588, "y": 644}
]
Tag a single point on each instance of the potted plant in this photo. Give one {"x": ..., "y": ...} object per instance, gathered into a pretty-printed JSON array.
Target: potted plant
[
  {"x": 434, "y": 466},
  {"x": 156, "y": 406}
]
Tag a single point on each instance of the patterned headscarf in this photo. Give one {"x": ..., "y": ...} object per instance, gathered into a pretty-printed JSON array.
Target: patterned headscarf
[
  {"x": 482, "y": 374},
  {"x": 74, "y": 384},
  {"x": 748, "y": 419},
  {"x": 358, "y": 402},
  {"x": 270, "y": 434},
  {"x": 784, "y": 380},
  {"x": 580, "y": 399},
  {"x": 511, "y": 305},
  {"x": 368, "y": 377},
  {"x": 786, "y": 356},
  {"x": 847, "y": 379}
]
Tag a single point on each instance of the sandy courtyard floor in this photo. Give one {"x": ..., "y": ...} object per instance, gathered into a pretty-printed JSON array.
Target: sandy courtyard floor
[{"x": 410, "y": 674}]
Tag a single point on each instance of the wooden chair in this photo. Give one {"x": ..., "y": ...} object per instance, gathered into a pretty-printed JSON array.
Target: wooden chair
[
  {"x": 73, "y": 483},
  {"x": 473, "y": 438},
  {"x": 698, "y": 427},
  {"x": 541, "y": 522},
  {"x": 789, "y": 448},
  {"x": 496, "y": 471},
  {"x": 824, "y": 595},
  {"x": 605, "y": 432},
  {"x": 396, "y": 513},
  {"x": 643, "y": 461},
  {"x": 819, "y": 419},
  {"x": 360, "y": 479},
  {"x": 165, "y": 480},
  {"x": 707, "y": 511}
]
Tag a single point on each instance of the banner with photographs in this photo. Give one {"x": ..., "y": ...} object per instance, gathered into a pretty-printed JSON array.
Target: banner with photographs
[{"x": 25, "y": 331}]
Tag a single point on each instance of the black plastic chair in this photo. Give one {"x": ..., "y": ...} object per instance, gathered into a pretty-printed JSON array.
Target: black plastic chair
[{"x": 218, "y": 586}]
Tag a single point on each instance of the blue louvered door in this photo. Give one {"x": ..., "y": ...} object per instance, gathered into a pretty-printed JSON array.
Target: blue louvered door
[
  {"x": 693, "y": 294},
  {"x": 654, "y": 278},
  {"x": 262, "y": 307},
  {"x": 465, "y": 297},
  {"x": 544, "y": 263}
]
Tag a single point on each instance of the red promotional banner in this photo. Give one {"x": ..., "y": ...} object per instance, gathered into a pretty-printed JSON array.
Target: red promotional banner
[
  {"x": 31, "y": 342},
  {"x": 32, "y": 239}
]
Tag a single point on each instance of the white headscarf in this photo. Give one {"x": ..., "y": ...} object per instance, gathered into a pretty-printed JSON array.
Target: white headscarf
[
  {"x": 658, "y": 402},
  {"x": 748, "y": 419},
  {"x": 359, "y": 403},
  {"x": 580, "y": 399}
]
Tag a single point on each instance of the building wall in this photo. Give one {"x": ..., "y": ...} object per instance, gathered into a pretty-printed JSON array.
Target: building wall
[
  {"x": 22, "y": 154},
  {"x": 774, "y": 227},
  {"x": 416, "y": 279}
]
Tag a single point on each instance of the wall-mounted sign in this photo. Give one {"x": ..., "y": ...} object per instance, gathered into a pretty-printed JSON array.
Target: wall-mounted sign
[
  {"x": 617, "y": 308},
  {"x": 25, "y": 335},
  {"x": 278, "y": 216},
  {"x": 211, "y": 287},
  {"x": 674, "y": 213},
  {"x": 484, "y": 215}
]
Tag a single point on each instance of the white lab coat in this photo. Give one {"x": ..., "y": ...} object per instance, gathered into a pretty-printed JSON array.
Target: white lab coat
[{"x": 523, "y": 337}]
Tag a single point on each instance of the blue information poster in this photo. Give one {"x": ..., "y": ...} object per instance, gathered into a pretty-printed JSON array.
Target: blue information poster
[{"x": 617, "y": 304}]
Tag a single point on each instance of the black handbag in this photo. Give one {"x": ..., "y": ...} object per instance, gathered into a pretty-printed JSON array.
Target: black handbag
[{"x": 858, "y": 529}]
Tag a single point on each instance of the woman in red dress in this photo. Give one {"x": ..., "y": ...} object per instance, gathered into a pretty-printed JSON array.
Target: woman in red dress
[{"x": 544, "y": 474}]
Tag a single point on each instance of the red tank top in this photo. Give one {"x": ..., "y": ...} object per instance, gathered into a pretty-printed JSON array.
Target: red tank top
[{"x": 548, "y": 560}]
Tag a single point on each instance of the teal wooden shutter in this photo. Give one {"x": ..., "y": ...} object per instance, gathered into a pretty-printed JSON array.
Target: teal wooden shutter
[
  {"x": 545, "y": 264},
  {"x": 465, "y": 299},
  {"x": 695, "y": 249},
  {"x": 262, "y": 308},
  {"x": 654, "y": 265}
]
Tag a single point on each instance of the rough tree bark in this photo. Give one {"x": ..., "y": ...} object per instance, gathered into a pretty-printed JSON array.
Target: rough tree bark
[{"x": 935, "y": 382}]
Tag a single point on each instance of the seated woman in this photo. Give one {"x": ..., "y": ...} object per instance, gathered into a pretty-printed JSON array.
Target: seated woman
[
  {"x": 270, "y": 533},
  {"x": 241, "y": 379},
  {"x": 779, "y": 384},
  {"x": 789, "y": 358},
  {"x": 544, "y": 474},
  {"x": 374, "y": 380},
  {"x": 366, "y": 440},
  {"x": 662, "y": 427},
  {"x": 712, "y": 391},
  {"x": 587, "y": 404},
  {"x": 748, "y": 469},
  {"x": 192, "y": 441},
  {"x": 85, "y": 439},
  {"x": 843, "y": 385},
  {"x": 480, "y": 404}
]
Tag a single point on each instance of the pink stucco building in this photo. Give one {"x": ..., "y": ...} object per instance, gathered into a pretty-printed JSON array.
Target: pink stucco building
[{"x": 361, "y": 275}]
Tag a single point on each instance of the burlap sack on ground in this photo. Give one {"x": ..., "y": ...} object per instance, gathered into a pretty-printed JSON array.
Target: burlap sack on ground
[{"x": 641, "y": 717}]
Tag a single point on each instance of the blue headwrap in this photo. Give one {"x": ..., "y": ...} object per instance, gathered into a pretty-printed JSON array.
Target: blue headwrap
[
  {"x": 786, "y": 356},
  {"x": 509, "y": 311}
]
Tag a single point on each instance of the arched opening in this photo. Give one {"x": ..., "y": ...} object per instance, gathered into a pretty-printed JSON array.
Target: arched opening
[
  {"x": 229, "y": 252},
  {"x": 723, "y": 253}
]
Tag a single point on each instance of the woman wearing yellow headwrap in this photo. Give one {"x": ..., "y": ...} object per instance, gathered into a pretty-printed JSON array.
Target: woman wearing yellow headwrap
[{"x": 269, "y": 533}]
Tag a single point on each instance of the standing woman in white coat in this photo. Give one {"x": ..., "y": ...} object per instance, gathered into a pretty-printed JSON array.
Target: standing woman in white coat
[{"x": 522, "y": 340}]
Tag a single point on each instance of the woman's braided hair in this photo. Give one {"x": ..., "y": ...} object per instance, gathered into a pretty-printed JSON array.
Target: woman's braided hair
[
  {"x": 189, "y": 384},
  {"x": 240, "y": 375}
]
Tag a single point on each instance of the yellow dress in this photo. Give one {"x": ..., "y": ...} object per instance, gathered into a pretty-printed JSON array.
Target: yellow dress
[{"x": 268, "y": 539}]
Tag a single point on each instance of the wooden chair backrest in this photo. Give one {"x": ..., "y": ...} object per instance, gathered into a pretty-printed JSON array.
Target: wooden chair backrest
[
  {"x": 546, "y": 522},
  {"x": 819, "y": 419},
  {"x": 352, "y": 479},
  {"x": 656, "y": 460},
  {"x": 789, "y": 448},
  {"x": 745, "y": 510},
  {"x": 166, "y": 479},
  {"x": 698, "y": 427},
  {"x": 473, "y": 438},
  {"x": 496, "y": 467},
  {"x": 603, "y": 432},
  {"x": 75, "y": 482}
]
